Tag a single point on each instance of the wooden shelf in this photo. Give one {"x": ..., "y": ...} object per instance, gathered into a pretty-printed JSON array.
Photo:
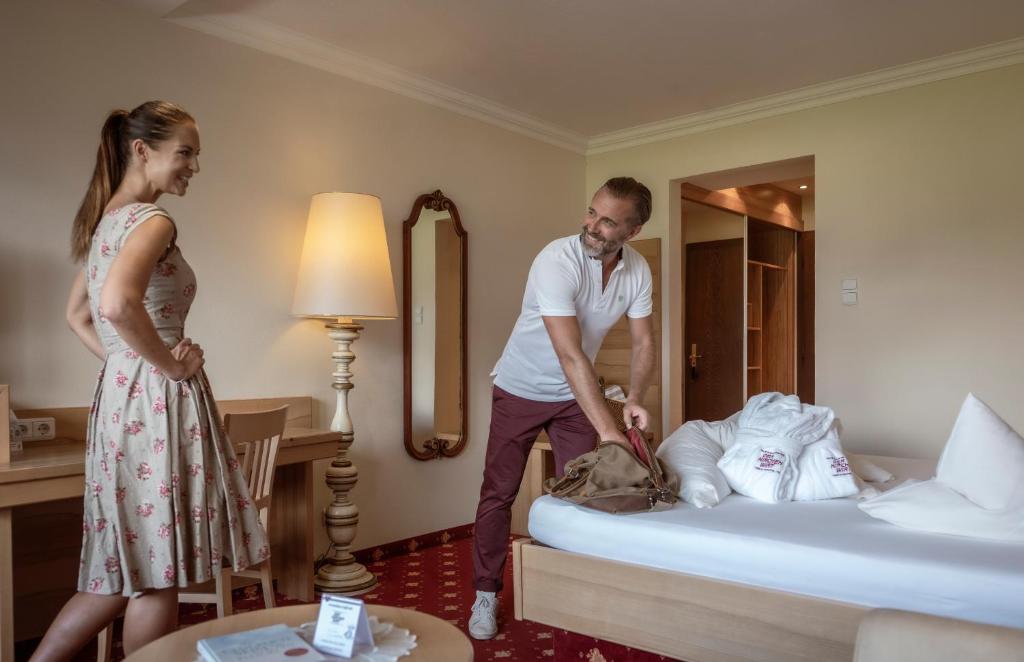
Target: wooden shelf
[{"x": 766, "y": 264}]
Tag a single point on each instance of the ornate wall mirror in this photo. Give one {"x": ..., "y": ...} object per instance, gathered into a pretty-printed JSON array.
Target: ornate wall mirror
[{"x": 434, "y": 252}]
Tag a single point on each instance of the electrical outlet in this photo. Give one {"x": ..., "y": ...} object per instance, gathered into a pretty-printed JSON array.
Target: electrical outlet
[
  {"x": 37, "y": 429},
  {"x": 24, "y": 430},
  {"x": 43, "y": 428}
]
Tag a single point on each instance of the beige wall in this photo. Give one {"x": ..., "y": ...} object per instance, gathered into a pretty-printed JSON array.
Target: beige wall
[
  {"x": 917, "y": 196},
  {"x": 273, "y": 133}
]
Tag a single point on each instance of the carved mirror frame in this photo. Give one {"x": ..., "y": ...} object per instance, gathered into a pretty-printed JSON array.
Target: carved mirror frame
[{"x": 434, "y": 448}]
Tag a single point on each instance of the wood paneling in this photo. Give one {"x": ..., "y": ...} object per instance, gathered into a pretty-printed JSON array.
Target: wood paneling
[
  {"x": 805, "y": 317},
  {"x": 778, "y": 352},
  {"x": 675, "y": 614},
  {"x": 772, "y": 251},
  {"x": 762, "y": 201},
  {"x": 613, "y": 359}
]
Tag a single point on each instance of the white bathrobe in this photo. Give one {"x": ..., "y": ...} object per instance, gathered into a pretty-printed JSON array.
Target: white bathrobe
[{"x": 771, "y": 433}]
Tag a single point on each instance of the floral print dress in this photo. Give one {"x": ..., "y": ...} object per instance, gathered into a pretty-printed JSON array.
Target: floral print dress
[{"x": 165, "y": 499}]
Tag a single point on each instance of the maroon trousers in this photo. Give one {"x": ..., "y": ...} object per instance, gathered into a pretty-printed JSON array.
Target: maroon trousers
[{"x": 515, "y": 424}]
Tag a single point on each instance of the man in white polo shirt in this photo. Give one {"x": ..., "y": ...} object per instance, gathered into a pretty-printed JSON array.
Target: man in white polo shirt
[{"x": 578, "y": 287}]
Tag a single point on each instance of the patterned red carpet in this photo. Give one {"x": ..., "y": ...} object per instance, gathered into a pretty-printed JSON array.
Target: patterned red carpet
[{"x": 436, "y": 580}]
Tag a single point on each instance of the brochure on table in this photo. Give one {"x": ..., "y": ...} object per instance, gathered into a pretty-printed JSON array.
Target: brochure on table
[
  {"x": 342, "y": 627},
  {"x": 269, "y": 644}
]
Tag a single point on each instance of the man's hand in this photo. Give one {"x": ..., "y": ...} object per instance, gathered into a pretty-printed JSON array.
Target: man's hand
[{"x": 635, "y": 414}]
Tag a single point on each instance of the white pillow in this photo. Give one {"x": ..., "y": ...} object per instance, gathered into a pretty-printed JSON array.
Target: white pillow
[
  {"x": 932, "y": 506},
  {"x": 984, "y": 458},
  {"x": 693, "y": 452}
]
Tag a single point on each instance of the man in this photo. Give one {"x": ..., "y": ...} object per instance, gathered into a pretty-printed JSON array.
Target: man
[{"x": 578, "y": 287}]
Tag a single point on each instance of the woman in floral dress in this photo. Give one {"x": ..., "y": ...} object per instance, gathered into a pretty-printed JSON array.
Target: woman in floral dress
[{"x": 164, "y": 498}]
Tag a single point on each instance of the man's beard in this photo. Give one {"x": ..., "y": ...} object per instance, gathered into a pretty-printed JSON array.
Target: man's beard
[{"x": 604, "y": 247}]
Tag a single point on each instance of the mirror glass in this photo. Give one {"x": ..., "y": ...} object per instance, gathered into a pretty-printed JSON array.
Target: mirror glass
[{"x": 435, "y": 327}]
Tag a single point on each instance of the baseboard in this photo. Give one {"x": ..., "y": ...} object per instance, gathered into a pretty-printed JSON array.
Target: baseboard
[{"x": 406, "y": 545}]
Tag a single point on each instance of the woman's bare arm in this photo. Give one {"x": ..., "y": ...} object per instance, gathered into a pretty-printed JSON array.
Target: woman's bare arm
[
  {"x": 80, "y": 317},
  {"x": 121, "y": 299}
]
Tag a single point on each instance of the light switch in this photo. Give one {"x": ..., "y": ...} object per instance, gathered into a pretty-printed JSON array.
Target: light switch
[
  {"x": 849, "y": 298},
  {"x": 849, "y": 284},
  {"x": 419, "y": 314}
]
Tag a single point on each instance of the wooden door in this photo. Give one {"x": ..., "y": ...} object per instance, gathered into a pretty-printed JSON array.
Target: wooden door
[
  {"x": 714, "y": 323},
  {"x": 805, "y": 317}
]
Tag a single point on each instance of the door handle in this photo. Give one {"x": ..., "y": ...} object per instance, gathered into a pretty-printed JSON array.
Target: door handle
[{"x": 693, "y": 360}]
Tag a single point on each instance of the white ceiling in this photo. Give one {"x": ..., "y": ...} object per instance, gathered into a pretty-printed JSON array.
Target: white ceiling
[{"x": 584, "y": 69}]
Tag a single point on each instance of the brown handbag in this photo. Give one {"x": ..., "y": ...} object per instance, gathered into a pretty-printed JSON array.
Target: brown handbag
[{"x": 615, "y": 478}]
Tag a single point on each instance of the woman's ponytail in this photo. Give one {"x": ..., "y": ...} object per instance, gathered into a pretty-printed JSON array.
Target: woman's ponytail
[
  {"x": 151, "y": 122},
  {"x": 106, "y": 175}
]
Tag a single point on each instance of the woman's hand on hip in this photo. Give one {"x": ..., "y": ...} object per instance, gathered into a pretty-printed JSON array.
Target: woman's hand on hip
[{"x": 189, "y": 356}]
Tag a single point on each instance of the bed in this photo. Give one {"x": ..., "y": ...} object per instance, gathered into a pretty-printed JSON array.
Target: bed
[{"x": 753, "y": 581}]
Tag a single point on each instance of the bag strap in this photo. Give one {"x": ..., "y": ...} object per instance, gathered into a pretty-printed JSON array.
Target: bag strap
[{"x": 645, "y": 454}]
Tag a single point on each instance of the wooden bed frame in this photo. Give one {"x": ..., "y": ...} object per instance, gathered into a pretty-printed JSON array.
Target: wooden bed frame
[
  {"x": 675, "y": 614},
  {"x": 684, "y": 616}
]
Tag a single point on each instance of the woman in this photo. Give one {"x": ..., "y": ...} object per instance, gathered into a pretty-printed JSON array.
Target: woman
[{"x": 165, "y": 499}]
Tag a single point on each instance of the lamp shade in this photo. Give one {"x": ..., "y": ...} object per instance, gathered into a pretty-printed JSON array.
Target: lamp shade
[{"x": 345, "y": 269}]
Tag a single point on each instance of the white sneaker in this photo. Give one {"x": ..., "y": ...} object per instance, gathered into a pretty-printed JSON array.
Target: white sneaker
[{"x": 483, "y": 624}]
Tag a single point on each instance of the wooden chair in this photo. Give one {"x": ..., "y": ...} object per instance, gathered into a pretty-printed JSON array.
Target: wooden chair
[{"x": 259, "y": 434}]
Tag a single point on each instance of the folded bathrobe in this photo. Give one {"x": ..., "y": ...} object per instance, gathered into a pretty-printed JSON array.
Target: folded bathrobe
[
  {"x": 824, "y": 471},
  {"x": 771, "y": 433}
]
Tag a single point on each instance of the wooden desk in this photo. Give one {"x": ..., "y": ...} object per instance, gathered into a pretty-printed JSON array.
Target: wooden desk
[
  {"x": 436, "y": 640},
  {"x": 41, "y": 510}
]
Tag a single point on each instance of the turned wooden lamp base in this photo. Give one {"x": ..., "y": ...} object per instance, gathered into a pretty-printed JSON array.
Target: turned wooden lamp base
[{"x": 341, "y": 573}]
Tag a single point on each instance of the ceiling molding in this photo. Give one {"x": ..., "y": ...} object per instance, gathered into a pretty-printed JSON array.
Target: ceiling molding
[
  {"x": 267, "y": 37},
  {"x": 884, "y": 80},
  {"x": 298, "y": 47}
]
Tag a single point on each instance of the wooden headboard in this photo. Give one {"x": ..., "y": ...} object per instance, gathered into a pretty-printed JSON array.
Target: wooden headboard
[{"x": 615, "y": 354}]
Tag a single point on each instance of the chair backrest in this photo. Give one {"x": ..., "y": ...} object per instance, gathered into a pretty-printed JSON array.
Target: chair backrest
[{"x": 260, "y": 433}]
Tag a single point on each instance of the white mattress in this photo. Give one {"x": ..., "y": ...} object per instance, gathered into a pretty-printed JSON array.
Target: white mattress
[{"x": 827, "y": 549}]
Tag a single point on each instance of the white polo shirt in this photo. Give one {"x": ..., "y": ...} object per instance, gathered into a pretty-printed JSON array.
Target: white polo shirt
[{"x": 564, "y": 282}]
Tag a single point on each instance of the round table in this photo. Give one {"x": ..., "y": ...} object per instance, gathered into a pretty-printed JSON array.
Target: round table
[{"x": 436, "y": 640}]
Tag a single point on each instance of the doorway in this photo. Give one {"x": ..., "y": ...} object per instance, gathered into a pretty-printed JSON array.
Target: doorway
[
  {"x": 713, "y": 327},
  {"x": 747, "y": 323}
]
